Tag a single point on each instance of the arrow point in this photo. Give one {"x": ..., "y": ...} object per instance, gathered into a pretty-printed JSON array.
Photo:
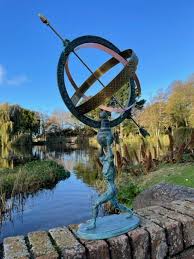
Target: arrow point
[{"x": 43, "y": 19}]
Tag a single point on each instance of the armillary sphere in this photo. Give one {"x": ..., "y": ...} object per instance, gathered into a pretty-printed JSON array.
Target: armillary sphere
[
  {"x": 81, "y": 105},
  {"x": 126, "y": 75}
]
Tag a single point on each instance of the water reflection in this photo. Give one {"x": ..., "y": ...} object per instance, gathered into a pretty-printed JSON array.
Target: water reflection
[
  {"x": 69, "y": 202},
  {"x": 12, "y": 156}
]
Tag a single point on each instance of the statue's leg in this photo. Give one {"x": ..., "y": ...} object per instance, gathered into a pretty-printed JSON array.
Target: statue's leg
[
  {"x": 121, "y": 207},
  {"x": 102, "y": 199}
]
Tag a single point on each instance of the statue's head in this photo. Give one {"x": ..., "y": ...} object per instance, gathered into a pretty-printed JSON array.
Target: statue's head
[{"x": 104, "y": 114}]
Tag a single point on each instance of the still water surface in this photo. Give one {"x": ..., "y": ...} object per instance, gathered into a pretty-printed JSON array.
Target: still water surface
[{"x": 69, "y": 202}]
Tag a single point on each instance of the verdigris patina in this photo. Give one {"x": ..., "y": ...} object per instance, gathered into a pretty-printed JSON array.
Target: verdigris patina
[{"x": 114, "y": 225}]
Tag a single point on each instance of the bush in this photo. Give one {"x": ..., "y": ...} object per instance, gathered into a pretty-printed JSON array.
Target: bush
[{"x": 127, "y": 192}]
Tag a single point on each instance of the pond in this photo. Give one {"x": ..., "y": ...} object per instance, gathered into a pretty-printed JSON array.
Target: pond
[{"x": 69, "y": 202}]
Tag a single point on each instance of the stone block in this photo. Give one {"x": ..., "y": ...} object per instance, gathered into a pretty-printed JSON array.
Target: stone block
[
  {"x": 41, "y": 245},
  {"x": 186, "y": 221},
  {"x": 15, "y": 248},
  {"x": 187, "y": 254},
  {"x": 162, "y": 193},
  {"x": 66, "y": 242},
  {"x": 181, "y": 207},
  {"x": 158, "y": 242},
  {"x": 95, "y": 249},
  {"x": 139, "y": 240},
  {"x": 172, "y": 228},
  {"x": 119, "y": 247}
]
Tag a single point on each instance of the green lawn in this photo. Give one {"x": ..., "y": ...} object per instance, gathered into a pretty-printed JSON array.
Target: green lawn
[
  {"x": 180, "y": 174},
  {"x": 131, "y": 186}
]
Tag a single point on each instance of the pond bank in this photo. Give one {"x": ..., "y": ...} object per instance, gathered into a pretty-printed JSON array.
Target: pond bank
[
  {"x": 67, "y": 202},
  {"x": 29, "y": 178}
]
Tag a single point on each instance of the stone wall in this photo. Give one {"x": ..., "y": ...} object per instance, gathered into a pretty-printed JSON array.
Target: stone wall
[{"x": 166, "y": 231}]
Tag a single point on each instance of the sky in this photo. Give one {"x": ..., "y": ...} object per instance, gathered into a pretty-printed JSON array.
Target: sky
[{"x": 160, "y": 32}]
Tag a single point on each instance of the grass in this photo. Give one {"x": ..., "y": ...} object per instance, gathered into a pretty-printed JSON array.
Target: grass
[
  {"x": 129, "y": 186},
  {"x": 30, "y": 177},
  {"x": 179, "y": 173}
]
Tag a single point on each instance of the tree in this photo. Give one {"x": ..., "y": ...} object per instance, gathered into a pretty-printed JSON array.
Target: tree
[
  {"x": 174, "y": 108},
  {"x": 14, "y": 120},
  {"x": 180, "y": 104},
  {"x": 62, "y": 120},
  {"x": 154, "y": 115}
]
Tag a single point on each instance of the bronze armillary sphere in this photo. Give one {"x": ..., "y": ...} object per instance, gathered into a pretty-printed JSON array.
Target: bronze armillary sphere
[
  {"x": 79, "y": 104},
  {"x": 127, "y": 75}
]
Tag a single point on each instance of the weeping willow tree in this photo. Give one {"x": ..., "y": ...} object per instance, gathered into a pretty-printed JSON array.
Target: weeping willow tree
[
  {"x": 16, "y": 128},
  {"x": 6, "y": 126},
  {"x": 15, "y": 121}
]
